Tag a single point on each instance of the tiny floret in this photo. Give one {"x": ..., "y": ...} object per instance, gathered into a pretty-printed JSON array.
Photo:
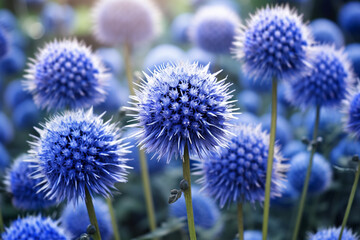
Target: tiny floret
[
  {"x": 326, "y": 84},
  {"x": 273, "y": 43},
  {"x": 66, "y": 74},
  {"x": 75, "y": 151},
  {"x": 40, "y": 228},
  {"x": 333, "y": 234},
  {"x": 183, "y": 104},
  {"x": 238, "y": 173}
]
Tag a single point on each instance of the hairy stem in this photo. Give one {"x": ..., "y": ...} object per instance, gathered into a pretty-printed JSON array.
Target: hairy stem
[
  {"x": 240, "y": 221},
  {"x": 307, "y": 178},
  {"x": 113, "y": 219},
  {"x": 91, "y": 213}
]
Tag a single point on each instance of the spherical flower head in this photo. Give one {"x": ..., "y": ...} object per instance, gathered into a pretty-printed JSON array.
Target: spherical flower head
[
  {"x": 343, "y": 152},
  {"x": 238, "y": 173},
  {"x": 4, "y": 42},
  {"x": 26, "y": 115},
  {"x": 34, "y": 227},
  {"x": 292, "y": 148},
  {"x": 274, "y": 43},
  {"x": 15, "y": 94},
  {"x": 206, "y": 212},
  {"x": 326, "y": 31},
  {"x": 320, "y": 177},
  {"x": 125, "y": 21},
  {"x": 353, "y": 53},
  {"x": 7, "y": 20},
  {"x": 333, "y": 234},
  {"x": 326, "y": 84},
  {"x": 183, "y": 104},
  {"x": 75, "y": 219},
  {"x": 349, "y": 17},
  {"x": 77, "y": 150},
  {"x": 66, "y": 74},
  {"x": 213, "y": 28},
  {"x": 23, "y": 188},
  {"x": 180, "y": 26},
  {"x": 13, "y": 62},
  {"x": 58, "y": 18}
]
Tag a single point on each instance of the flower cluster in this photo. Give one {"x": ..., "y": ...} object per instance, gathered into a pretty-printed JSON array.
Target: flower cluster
[{"x": 333, "y": 234}]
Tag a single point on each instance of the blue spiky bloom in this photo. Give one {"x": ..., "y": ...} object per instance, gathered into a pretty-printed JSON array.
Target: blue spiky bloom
[
  {"x": 4, "y": 42},
  {"x": 77, "y": 150},
  {"x": 66, "y": 74},
  {"x": 206, "y": 212},
  {"x": 326, "y": 31},
  {"x": 351, "y": 108},
  {"x": 183, "y": 104},
  {"x": 333, "y": 234},
  {"x": 274, "y": 43},
  {"x": 326, "y": 84},
  {"x": 23, "y": 188},
  {"x": 238, "y": 173},
  {"x": 75, "y": 219},
  {"x": 213, "y": 28},
  {"x": 34, "y": 227},
  {"x": 343, "y": 152},
  {"x": 349, "y": 17},
  {"x": 353, "y": 53},
  {"x": 320, "y": 176}
]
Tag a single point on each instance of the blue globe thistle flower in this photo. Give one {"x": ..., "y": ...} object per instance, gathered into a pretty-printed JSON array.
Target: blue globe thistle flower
[
  {"x": 111, "y": 59},
  {"x": 213, "y": 28},
  {"x": 15, "y": 94},
  {"x": 126, "y": 21},
  {"x": 250, "y": 101},
  {"x": 274, "y": 43},
  {"x": 7, "y": 20},
  {"x": 342, "y": 153},
  {"x": 23, "y": 188},
  {"x": 4, "y": 158},
  {"x": 206, "y": 212},
  {"x": 238, "y": 173},
  {"x": 353, "y": 53},
  {"x": 75, "y": 219},
  {"x": 34, "y": 227},
  {"x": 6, "y": 129},
  {"x": 13, "y": 62},
  {"x": 66, "y": 74},
  {"x": 162, "y": 55},
  {"x": 320, "y": 177},
  {"x": 183, "y": 104},
  {"x": 262, "y": 86},
  {"x": 201, "y": 57},
  {"x": 349, "y": 17},
  {"x": 351, "y": 108},
  {"x": 333, "y": 234},
  {"x": 4, "y": 43},
  {"x": 292, "y": 148},
  {"x": 180, "y": 27},
  {"x": 326, "y": 31},
  {"x": 326, "y": 84},
  {"x": 58, "y": 18},
  {"x": 284, "y": 132},
  {"x": 252, "y": 235},
  {"x": 77, "y": 150},
  {"x": 26, "y": 115}
]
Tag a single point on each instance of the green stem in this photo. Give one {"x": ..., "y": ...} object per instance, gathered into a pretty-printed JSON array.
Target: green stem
[
  {"x": 129, "y": 72},
  {"x": 113, "y": 219},
  {"x": 92, "y": 215},
  {"x": 270, "y": 159},
  {"x": 1, "y": 222},
  {"x": 351, "y": 199},
  {"x": 307, "y": 178},
  {"x": 240, "y": 221},
  {"x": 187, "y": 194}
]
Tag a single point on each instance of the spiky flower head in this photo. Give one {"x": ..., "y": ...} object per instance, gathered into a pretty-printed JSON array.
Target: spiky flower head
[
  {"x": 213, "y": 28},
  {"x": 34, "y": 227},
  {"x": 125, "y": 21},
  {"x": 77, "y": 150},
  {"x": 238, "y": 173},
  {"x": 23, "y": 188},
  {"x": 4, "y": 42},
  {"x": 351, "y": 108},
  {"x": 326, "y": 84},
  {"x": 333, "y": 234},
  {"x": 320, "y": 177},
  {"x": 183, "y": 104},
  {"x": 75, "y": 219},
  {"x": 66, "y": 74},
  {"x": 273, "y": 43}
]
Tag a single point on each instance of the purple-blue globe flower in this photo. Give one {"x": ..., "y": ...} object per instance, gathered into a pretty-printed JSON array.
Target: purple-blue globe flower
[
  {"x": 351, "y": 108},
  {"x": 274, "y": 43},
  {"x": 342, "y": 153},
  {"x": 7, "y": 20},
  {"x": 213, "y": 28},
  {"x": 206, "y": 212},
  {"x": 320, "y": 177},
  {"x": 75, "y": 151},
  {"x": 238, "y": 173},
  {"x": 15, "y": 94},
  {"x": 180, "y": 27},
  {"x": 26, "y": 115},
  {"x": 4, "y": 42},
  {"x": 23, "y": 188},
  {"x": 58, "y": 18},
  {"x": 326, "y": 84},
  {"x": 333, "y": 234},
  {"x": 75, "y": 219},
  {"x": 34, "y": 227},
  {"x": 353, "y": 53},
  {"x": 349, "y": 18},
  {"x": 13, "y": 62},
  {"x": 326, "y": 31},
  {"x": 180, "y": 105},
  {"x": 66, "y": 74}
]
